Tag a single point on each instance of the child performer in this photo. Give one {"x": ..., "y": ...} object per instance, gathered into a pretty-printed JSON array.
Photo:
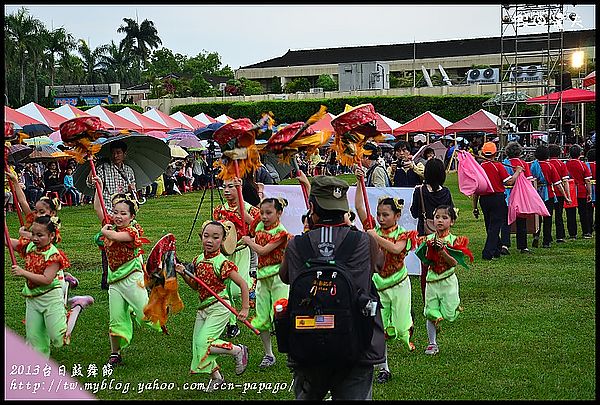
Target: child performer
[
  {"x": 441, "y": 251},
  {"x": 392, "y": 282},
  {"x": 269, "y": 243},
  {"x": 46, "y": 319},
  {"x": 43, "y": 206},
  {"x": 216, "y": 271},
  {"x": 229, "y": 211},
  {"x": 122, "y": 239}
]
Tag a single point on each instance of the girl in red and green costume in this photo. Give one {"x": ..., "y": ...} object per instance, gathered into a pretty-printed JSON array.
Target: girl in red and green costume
[
  {"x": 441, "y": 252},
  {"x": 214, "y": 269},
  {"x": 229, "y": 211},
  {"x": 122, "y": 238},
  {"x": 269, "y": 242},
  {"x": 392, "y": 281},
  {"x": 46, "y": 319}
]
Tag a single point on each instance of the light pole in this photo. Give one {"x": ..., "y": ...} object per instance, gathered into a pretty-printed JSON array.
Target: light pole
[{"x": 577, "y": 61}]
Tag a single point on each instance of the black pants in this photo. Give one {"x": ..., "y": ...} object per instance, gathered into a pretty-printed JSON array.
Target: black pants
[
  {"x": 521, "y": 224},
  {"x": 103, "y": 281},
  {"x": 582, "y": 207},
  {"x": 495, "y": 214},
  {"x": 546, "y": 227},
  {"x": 559, "y": 224}
]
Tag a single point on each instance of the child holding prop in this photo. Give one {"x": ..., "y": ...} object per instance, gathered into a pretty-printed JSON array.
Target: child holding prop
[
  {"x": 441, "y": 251},
  {"x": 269, "y": 243},
  {"x": 122, "y": 240},
  {"x": 46, "y": 319},
  {"x": 216, "y": 271},
  {"x": 392, "y": 282}
]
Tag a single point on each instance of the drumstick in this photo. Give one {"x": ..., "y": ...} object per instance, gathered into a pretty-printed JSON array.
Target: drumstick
[{"x": 221, "y": 300}]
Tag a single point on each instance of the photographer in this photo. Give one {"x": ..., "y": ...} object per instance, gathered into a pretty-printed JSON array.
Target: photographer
[{"x": 405, "y": 172}]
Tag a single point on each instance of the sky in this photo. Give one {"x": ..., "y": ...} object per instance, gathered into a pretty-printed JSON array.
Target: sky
[{"x": 247, "y": 34}]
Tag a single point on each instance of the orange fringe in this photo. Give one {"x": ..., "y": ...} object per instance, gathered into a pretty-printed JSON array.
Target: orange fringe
[
  {"x": 248, "y": 165},
  {"x": 163, "y": 301}
]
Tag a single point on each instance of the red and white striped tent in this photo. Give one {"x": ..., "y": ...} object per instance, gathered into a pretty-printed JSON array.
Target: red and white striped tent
[
  {"x": 187, "y": 120},
  {"x": 224, "y": 118},
  {"x": 146, "y": 123},
  {"x": 42, "y": 114},
  {"x": 113, "y": 120},
  {"x": 162, "y": 118},
  {"x": 69, "y": 112},
  {"x": 205, "y": 119},
  {"x": 386, "y": 125},
  {"x": 18, "y": 118}
]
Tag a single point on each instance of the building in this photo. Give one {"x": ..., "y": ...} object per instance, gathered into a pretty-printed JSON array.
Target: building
[{"x": 456, "y": 57}]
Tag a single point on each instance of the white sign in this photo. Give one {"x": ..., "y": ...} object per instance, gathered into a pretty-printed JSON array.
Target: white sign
[{"x": 292, "y": 214}]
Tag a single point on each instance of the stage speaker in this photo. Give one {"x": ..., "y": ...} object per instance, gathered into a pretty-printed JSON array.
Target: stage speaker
[{"x": 563, "y": 82}]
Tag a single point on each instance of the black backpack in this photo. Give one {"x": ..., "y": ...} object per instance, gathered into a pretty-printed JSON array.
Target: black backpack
[{"x": 328, "y": 318}]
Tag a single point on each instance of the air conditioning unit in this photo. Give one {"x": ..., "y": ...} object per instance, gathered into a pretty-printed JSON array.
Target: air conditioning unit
[
  {"x": 316, "y": 90},
  {"x": 482, "y": 76},
  {"x": 530, "y": 73}
]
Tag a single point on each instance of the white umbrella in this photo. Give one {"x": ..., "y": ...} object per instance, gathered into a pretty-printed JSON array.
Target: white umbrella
[{"x": 177, "y": 152}]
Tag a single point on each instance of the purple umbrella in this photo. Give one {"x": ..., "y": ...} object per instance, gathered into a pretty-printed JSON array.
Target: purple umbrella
[{"x": 188, "y": 143}]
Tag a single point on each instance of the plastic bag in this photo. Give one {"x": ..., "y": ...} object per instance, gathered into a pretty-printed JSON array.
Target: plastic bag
[
  {"x": 472, "y": 179},
  {"x": 524, "y": 200}
]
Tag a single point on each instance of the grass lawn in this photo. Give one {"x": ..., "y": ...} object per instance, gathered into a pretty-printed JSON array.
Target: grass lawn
[{"x": 527, "y": 331}]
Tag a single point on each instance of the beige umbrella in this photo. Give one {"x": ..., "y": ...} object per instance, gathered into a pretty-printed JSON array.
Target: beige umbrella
[{"x": 178, "y": 152}]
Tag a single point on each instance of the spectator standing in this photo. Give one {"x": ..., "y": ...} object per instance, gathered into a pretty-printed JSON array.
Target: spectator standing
[
  {"x": 561, "y": 168},
  {"x": 376, "y": 175},
  {"x": 34, "y": 185},
  {"x": 493, "y": 204},
  {"x": 405, "y": 172},
  {"x": 328, "y": 206},
  {"x": 579, "y": 172},
  {"x": 591, "y": 164},
  {"x": 548, "y": 180},
  {"x": 513, "y": 152}
]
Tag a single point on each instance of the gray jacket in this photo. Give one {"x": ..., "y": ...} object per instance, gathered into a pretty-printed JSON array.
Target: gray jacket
[{"x": 366, "y": 259}]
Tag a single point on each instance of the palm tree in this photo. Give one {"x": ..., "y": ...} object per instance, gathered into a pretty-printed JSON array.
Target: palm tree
[
  {"x": 71, "y": 69},
  {"x": 116, "y": 63},
  {"x": 140, "y": 38},
  {"x": 37, "y": 58},
  {"x": 91, "y": 60},
  {"x": 21, "y": 30},
  {"x": 59, "y": 42}
]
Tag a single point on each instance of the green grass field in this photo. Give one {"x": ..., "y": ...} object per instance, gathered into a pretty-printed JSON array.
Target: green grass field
[{"x": 527, "y": 331}]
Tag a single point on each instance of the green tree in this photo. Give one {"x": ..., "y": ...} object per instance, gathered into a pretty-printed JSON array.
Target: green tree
[
  {"x": 327, "y": 83},
  {"x": 297, "y": 84},
  {"x": 59, "y": 42},
  {"x": 201, "y": 88},
  {"x": 21, "y": 30},
  {"x": 206, "y": 63},
  {"x": 37, "y": 59},
  {"x": 276, "y": 85},
  {"x": 92, "y": 63},
  {"x": 163, "y": 62},
  {"x": 71, "y": 70},
  {"x": 140, "y": 38},
  {"x": 250, "y": 87},
  {"x": 116, "y": 63}
]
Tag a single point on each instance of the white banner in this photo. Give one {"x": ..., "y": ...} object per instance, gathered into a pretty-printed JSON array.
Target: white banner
[{"x": 292, "y": 214}]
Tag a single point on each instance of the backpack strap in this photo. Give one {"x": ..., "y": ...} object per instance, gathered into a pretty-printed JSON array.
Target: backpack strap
[{"x": 343, "y": 252}]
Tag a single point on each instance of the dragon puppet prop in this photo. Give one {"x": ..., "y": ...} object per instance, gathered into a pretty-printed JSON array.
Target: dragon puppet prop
[
  {"x": 296, "y": 137},
  {"x": 353, "y": 128},
  {"x": 79, "y": 134},
  {"x": 240, "y": 154},
  {"x": 160, "y": 277}
]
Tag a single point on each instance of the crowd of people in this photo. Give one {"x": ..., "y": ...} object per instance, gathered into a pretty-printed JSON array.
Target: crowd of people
[{"x": 263, "y": 268}]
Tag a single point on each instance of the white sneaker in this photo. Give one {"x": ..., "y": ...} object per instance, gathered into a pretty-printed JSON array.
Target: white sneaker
[{"x": 432, "y": 350}]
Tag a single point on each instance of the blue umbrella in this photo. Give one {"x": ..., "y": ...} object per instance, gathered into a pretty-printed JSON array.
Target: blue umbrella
[{"x": 206, "y": 133}]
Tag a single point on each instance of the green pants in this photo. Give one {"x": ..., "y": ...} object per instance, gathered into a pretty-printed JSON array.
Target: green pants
[
  {"x": 441, "y": 299},
  {"x": 210, "y": 323},
  {"x": 241, "y": 258},
  {"x": 46, "y": 321},
  {"x": 127, "y": 297},
  {"x": 395, "y": 311},
  {"x": 268, "y": 290}
]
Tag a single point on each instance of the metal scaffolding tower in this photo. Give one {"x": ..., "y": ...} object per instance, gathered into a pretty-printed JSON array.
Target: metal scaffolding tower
[{"x": 531, "y": 64}]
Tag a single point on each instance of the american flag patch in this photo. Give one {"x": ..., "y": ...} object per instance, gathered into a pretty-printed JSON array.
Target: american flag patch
[{"x": 324, "y": 321}]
